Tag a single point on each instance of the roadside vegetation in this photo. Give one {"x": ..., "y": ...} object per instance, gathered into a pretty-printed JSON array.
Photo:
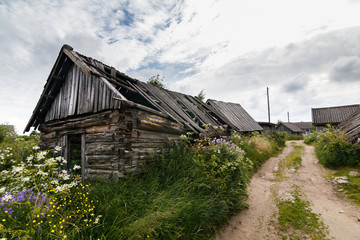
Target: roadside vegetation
[
  {"x": 186, "y": 192},
  {"x": 293, "y": 161},
  {"x": 335, "y": 152},
  {"x": 297, "y": 220},
  {"x": 291, "y": 137}
]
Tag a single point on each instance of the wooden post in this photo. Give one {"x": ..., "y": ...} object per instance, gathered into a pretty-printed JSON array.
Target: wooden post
[{"x": 268, "y": 102}]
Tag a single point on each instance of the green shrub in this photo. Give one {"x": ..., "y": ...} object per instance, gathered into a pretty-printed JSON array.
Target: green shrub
[
  {"x": 260, "y": 147},
  {"x": 277, "y": 137},
  {"x": 6, "y": 131},
  {"x": 310, "y": 138},
  {"x": 291, "y": 137},
  {"x": 185, "y": 193},
  {"x": 333, "y": 150}
]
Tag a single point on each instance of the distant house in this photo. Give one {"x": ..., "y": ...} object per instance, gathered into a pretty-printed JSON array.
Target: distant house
[
  {"x": 268, "y": 126},
  {"x": 109, "y": 122},
  {"x": 306, "y": 127},
  {"x": 236, "y": 115},
  {"x": 332, "y": 115},
  {"x": 351, "y": 126},
  {"x": 289, "y": 128}
]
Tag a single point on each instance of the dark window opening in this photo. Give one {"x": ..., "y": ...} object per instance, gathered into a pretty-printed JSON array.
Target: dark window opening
[{"x": 74, "y": 153}]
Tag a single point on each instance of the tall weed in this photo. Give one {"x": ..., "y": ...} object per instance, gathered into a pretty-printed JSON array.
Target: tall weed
[{"x": 333, "y": 150}]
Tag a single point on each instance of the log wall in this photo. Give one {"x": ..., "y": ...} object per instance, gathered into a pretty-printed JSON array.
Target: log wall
[{"x": 115, "y": 141}]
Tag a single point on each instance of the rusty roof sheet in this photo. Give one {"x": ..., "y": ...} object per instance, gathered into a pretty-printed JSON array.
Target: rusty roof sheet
[
  {"x": 236, "y": 114},
  {"x": 332, "y": 115}
]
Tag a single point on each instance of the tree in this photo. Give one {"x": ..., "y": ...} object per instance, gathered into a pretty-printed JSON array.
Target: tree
[
  {"x": 6, "y": 131},
  {"x": 156, "y": 81},
  {"x": 201, "y": 95}
]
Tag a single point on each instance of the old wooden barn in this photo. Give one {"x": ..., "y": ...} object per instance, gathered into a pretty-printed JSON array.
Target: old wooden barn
[
  {"x": 289, "y": 128},
  {"x": 351, "y": 126},
  {"x": 332, "y": 115},
  {"x": 109, "y": 122}
]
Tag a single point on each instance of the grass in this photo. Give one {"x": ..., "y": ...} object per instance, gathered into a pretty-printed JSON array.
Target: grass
[
  {"x": 171, "y": 200},
  {"x": 175, "y": 198},
  {"x": 296, "y": 219},
  {"x": 186, "y": 192},
  {"x": 290, "y": 137},
  {"x": 293, "y": 160},
  {"x": 352, "y": 189}
]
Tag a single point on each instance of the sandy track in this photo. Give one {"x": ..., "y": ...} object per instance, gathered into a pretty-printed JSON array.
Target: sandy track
[{"x": 257, "y": 222}]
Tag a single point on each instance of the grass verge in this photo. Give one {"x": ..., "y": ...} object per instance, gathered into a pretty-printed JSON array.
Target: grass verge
[
  {"x": 293, "y": 160},
  {"x": 296, "y": 219},
  {"x": 352, "y": 189}
]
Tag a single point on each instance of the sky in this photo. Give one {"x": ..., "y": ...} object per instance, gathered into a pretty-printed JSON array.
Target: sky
[{"x": 306, "y": 52}]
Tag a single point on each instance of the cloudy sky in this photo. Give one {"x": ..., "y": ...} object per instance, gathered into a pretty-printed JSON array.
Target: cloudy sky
[{"x": 307, "y": 52}]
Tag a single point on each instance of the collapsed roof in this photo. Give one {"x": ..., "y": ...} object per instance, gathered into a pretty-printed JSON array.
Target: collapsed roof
[
  {"x": 187, "y": 110},
  {"x": 351, "y": 126},
  {"x": 236, "y": 115}
]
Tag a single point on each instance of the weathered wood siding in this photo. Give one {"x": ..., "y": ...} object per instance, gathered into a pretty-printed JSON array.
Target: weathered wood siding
[
  {"x": 115, "y": 141},
  {"x": 81, "y": 94}
]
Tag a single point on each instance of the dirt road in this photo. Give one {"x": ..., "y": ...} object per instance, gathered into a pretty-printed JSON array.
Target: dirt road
[{"x": 258, "y": 221}]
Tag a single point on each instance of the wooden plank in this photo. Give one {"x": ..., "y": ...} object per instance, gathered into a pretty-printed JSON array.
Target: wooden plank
[
  {"x": 96, "y": 93},
  {"x": 77, "y": 60},
  {"x": 62, "y": 104},
  {"x": 108, "y": 166},
  {"x": 101, "y": 85},
  {"x": 57, "y": 115},
  {"x": 73, "y": 91},
  {"x": 100, "y": 137},
  {"x": 92, "y": 93},
  {"x": 143, "y": 134},
  {"x": 88, "y": 94},
  {"x": 83, "y": 95},
  {"x": 103, "y": 103},
  {"x": 80, "y": 93},
  {"x": 67, "y": 96},
  {"x": 97, "y": 129}
]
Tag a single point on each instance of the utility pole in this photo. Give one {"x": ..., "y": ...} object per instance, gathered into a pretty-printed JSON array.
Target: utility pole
[
  {"x": 288, "y": 117},
  {"x": 268, "y": 102}
]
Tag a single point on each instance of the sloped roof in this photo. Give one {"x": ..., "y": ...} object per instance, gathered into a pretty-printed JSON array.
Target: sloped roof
[
  {"x": 332, "y": 115},
  {"x": 184, "y": 109},
  {"x": 291, "y": 126},
  {"x": 303, "y": 125},
  {"x": 235, "y": 114},
  {"x": 351, "y": 126},
  {"x": 270, "y": 124}
]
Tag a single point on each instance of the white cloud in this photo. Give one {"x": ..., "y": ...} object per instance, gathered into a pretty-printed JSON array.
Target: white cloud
[{"x": 232, "y": 49}]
